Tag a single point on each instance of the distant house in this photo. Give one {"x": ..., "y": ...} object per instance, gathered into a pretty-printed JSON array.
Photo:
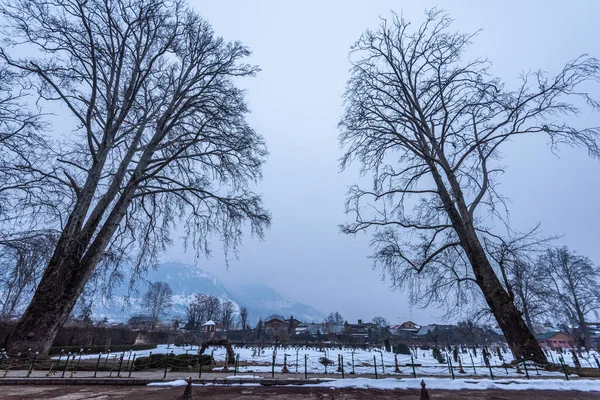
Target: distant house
[
  {"x": 276, "y": 326},
  {"x": 554, "y": 340},
  {"x": 141, "y": 322},
  {"x": 406, "y": 326}
]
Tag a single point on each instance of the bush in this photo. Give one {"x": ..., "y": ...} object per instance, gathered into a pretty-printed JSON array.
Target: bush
[
  {"x": 102, "y": 349},
  {"x": 401, "y": 348},
  {"x": 326, "y": 361},
  {"x": 437, "y": 354},
  {"x": 181, "y": 362}
]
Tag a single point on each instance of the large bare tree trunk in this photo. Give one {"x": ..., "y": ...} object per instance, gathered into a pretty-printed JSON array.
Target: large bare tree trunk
[
  {"x": 518, "y": 335},
  {"x": 53, "y": 302}
]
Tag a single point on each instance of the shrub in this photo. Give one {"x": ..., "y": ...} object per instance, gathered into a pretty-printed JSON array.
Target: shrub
[
  {"x": 401, "y": 348},
  {"x": 181, "y": 362},
  {"x": 437, "y": 354},
  {"x": 102, "y": 349}
]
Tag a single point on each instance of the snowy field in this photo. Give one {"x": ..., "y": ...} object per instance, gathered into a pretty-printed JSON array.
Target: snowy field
[
  {"x": 582, "y": 385},
  {"x": 255, "y": 360}
]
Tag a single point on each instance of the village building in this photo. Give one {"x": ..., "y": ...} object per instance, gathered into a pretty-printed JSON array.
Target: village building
[
  {"x": 140, "y": 322},
  {"x": 277, "y": 326},
  {"x": 555, "y": 340}
]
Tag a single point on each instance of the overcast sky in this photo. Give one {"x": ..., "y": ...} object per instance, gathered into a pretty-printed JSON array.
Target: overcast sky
[{"x": 302, "y": 48}]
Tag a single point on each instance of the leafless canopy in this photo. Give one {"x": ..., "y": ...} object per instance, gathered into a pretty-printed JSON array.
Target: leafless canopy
[
  {"x": 158, "y": 124},
  {"x": 428, "y": 127}
]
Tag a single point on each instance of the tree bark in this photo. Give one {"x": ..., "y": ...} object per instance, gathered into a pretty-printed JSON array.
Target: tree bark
[
  {"x": 516, "y": 332},
  {"x": 54, "y": 299}
]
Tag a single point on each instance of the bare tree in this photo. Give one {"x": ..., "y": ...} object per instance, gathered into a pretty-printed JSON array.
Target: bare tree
[
  {"x": 227, "y": 313},
  {"x": 203, "y": 308},
  {"x": 334, "y": 318},
  {"x": 515, "y": 257},
  {"x": 573, "y": 284},
  {"x": 22, "y": 261},
  {"x": 429, "y": 127},
  {"x": 381, "y": 322},
  {"x": 159, "y": 135},
  {"x": 158, "y": 300},
  {"x": 244, "y": 318}
]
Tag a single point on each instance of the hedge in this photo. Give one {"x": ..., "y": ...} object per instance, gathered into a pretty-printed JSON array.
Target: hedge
[{"x": 102, "y": 349}]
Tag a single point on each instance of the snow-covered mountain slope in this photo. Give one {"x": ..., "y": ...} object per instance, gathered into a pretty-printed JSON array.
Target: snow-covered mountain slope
[{"x": 187, "y": 280}]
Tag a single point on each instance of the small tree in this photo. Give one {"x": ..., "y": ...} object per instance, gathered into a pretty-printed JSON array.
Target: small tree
[
  {"x": 158, "y": 300},
  {"x": 381, "y": 322},
  {"x": 227, "y": 312},
  {"x": 203, "y": 308},
  {"x": 260, "y": 328},
  {"x": 244, "y": 318},
  {"x": 573, "y": 286}
]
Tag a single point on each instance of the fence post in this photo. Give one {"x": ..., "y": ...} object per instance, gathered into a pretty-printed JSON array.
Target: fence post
[
  {"x": 107, "y": 355},
  {"x": 131, "y": 366},
  {"x": 79, "y": 359},
  {"x": 296, "y": 361},
  {"x": 166, "y": 366},
  {"x": 128, "y": 359},
  {"x": 342, "y": 356},
  {"x": 120, "y": 364},
  {"x": 564, "y": 367},
  {"x": 62, "y": 351},
  {"x": 472, "y": 362},
  {"x": 235, "y": 367},
  {"x": 451, "y": 367},
  {"x": 412, "y": 362},
  {"x": 382, "y": 363},
  {"x": 525, "y": 367},
  {"x": 32, "y": 364},
  {"x": 375, "y": 365},
  {"x": 305, "y": 369},
  {"x": 97, "y": 364},
  {"x": 66, "y": 363},
  {"x": 273, "y": 366},
  {"x": 597, "y": 362},
  {"x": 487, "y": 362}
]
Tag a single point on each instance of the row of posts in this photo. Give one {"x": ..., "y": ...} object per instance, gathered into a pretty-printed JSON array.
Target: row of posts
[{"x": 118, "y": 364}]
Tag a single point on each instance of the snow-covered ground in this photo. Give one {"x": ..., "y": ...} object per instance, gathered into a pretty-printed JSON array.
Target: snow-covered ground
[
  {"x": 583, "y": 385},
  {"x": 254, "y": 360}
]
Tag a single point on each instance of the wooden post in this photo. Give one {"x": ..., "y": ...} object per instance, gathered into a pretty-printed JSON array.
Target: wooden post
[
  {"x": 353, "y": 363},
  {"x": 273, "y": 366},
  {"x": 342, "y": 364},
  {"x": 397, "y": 369},
  {"x": 131, "y": 366},
  {"x": 284, "y": 370},
  {"x": 97, "y": 364},
  {"x": 382, "y": 364},
  {"x": 424, "y": 394},
  {"x": 305, "y": 362},
  {"x": 460, "y": 367},
  {"x": 473, "y": 362},
  {"x": 66, "y": 363},
  {"x": 525, "y": 367},
  {"x": 375, "y": 365},
  {"x": 32, "y": 365},
  {"x": 339, "y": 368}
]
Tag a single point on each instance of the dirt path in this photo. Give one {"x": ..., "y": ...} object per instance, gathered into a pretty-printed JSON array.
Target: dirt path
[{"x": 256, "y": 393}]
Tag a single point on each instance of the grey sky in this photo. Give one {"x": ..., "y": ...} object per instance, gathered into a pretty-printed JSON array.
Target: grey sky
[{"x": 302, "y": 48}]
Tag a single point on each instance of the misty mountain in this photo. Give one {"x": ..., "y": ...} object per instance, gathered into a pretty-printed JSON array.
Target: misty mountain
[{"x": 187, "y": 280}]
